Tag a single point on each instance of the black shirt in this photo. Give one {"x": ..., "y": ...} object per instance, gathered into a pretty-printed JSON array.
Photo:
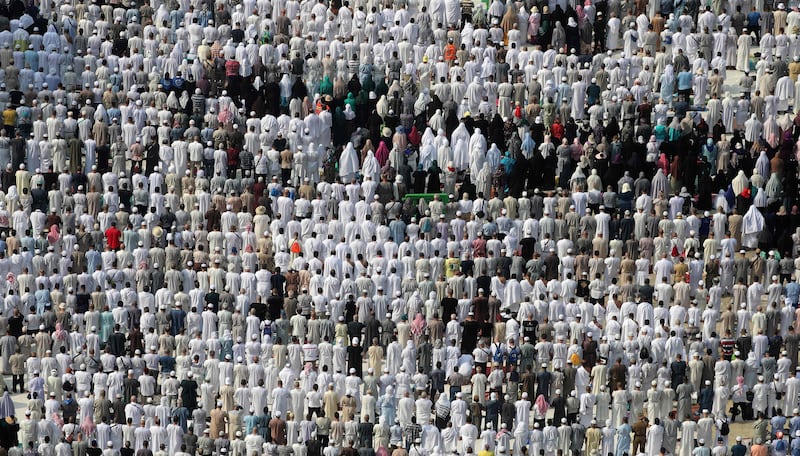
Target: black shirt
[
  {"x": 469, "y": 337},
  {"x": 213, "y": 299},
  {"x": 646, "y": 292},
  {"x": 8, "y": 434},
  {"x": 278, "y": 281},
  {"x": 583, "y": 289},
  {"x": 275, "y": 305},
  {"x": 189, "y": 394},
  {"x": 314, "y": 447},
  {"x": 449, "y": 306},
  {"x": 529, "y": 328},
  {"x": 15, "y": 325},
  {"x": 354, "y": 358},
  {"x": 116, "y": 344},
  {"x": 237, "y": 35},
  {"x": 744, "y": 344},
  {"x": 261, "y": 310},
  {"x": 39, "y": 196},
  {"x": 528, "y": 245},
  {"x": 678, "y": 369},
  {"x": 81, "y": 303},
  {"x": 738, "y": 450},
  {"x": 354, "y": 328}
]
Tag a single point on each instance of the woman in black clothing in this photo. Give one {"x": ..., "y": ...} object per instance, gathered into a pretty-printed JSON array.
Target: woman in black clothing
[{"x": 434, "y": 180}]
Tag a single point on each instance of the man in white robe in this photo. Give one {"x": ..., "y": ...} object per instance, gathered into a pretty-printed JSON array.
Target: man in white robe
[
  {"x": 612, "y": 34},
  {"x": 705, "y": 427},
  {"x": 728, "y": 112},
  {"x": 743, "y": 44},
  {"x": 523, "y": 408},
  {"x": 687, "y": 444},
  {"x": 797, "y": 93},
  {"x": 784, "y": 93},
  {"x": 654, "y": 438},
  {"x": 587, "y": 401},
  {"x": 458, "y": 411},
  {"x": 452, "y": 12},
  {"x": 631, "y": 40},
  {"x": 578, "y": 103}
]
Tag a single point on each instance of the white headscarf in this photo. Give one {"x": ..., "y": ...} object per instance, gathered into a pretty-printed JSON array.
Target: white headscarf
[
  {"x": 739, "y": 183},
  {"x": 753, "y": 221},
  {"x": 348, "y": 163},
  {"x": 371, "y": 167}
]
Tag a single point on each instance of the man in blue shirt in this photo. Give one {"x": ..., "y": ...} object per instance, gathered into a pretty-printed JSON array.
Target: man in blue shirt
[
  {"x": 794, "y": 446},
  {"x": 794, "y": 425},
  {"x": 792, "y": 290},
  {"x": 754, "y": 22},
  {"x": 42, "y": 297},
  {"x": 685, "y": 84},
  {"x": 738, "y": 449}
]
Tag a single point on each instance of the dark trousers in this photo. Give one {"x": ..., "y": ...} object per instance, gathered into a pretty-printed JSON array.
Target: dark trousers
[{"x": 18, "y": 380}]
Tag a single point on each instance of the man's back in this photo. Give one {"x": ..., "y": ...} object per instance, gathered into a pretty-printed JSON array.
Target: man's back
[{"x": 753, "y": 18}]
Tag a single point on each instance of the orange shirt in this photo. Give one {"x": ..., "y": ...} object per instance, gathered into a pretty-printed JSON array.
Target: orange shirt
[
  {"x": 758, "y": 450},
  {"x": 450, "y": 53}
]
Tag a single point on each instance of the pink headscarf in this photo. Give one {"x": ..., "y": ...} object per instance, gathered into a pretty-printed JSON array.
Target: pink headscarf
[
  {"x": 53, "y": 235},
  {"x": 224, "y": 115},
  {"x": 88, "y": 427},
  {"x": 418, "y": 325},
  {"x": 60, "y": 334},
  {"x": 382, "y": 154},
  {"x": 541, "y": 404},
  {"x": 581, "y": 14},
  {"x": 663, "y": 163}
]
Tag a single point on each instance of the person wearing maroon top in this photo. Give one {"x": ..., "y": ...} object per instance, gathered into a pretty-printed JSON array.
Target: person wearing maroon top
[
  {"x": 113, "y": 236},
  {"x": 232, "y": 74}
]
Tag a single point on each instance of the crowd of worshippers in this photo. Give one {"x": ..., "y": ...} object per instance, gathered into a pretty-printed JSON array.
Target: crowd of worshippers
[{"x": 367, "y": 228}]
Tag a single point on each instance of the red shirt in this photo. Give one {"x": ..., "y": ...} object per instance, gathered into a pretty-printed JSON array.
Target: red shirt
[
  {"x": 557, "y": 131},
  {"x": 113, "y": 236}
]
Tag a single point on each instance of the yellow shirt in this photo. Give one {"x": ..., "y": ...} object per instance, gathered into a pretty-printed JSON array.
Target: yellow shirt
[
  {"x": 451, "y": 266},
  {"x": 10, "y": 118}
]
